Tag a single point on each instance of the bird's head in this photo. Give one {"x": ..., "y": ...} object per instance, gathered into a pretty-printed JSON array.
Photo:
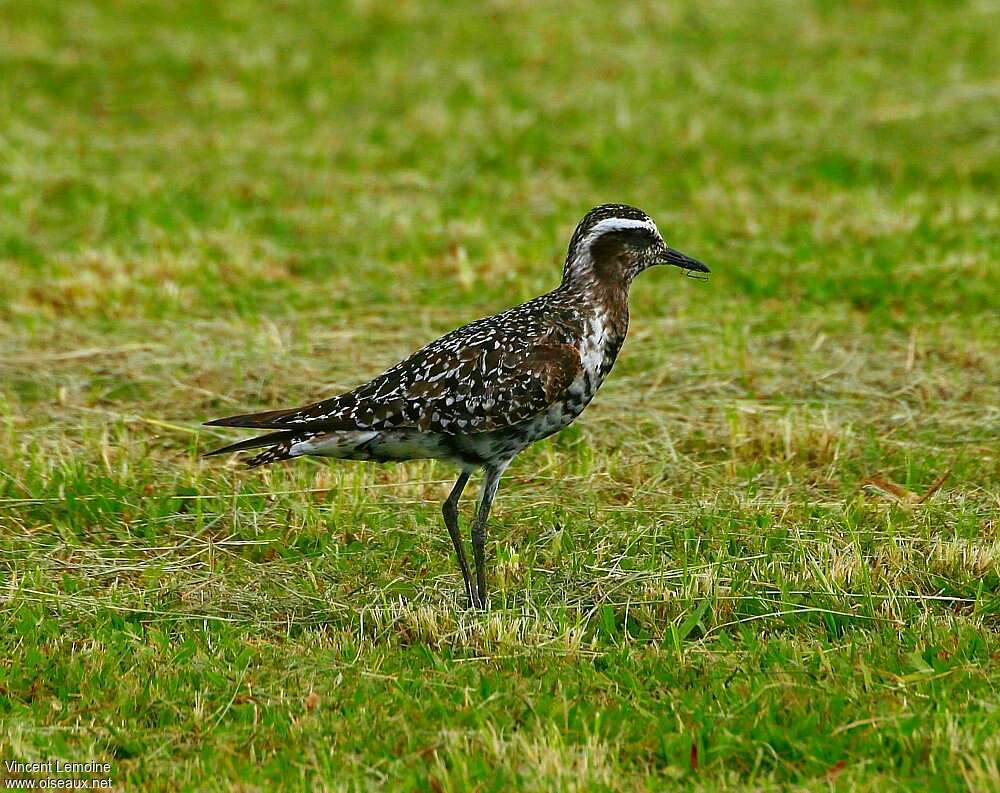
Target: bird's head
[{"x": 614, "y": 243}]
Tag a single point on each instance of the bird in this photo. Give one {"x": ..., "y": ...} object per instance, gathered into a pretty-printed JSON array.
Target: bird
[{"x": 482, "y": 393}]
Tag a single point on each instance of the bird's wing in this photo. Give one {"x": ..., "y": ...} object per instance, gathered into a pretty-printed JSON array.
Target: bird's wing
[{"x": 485, "y": 376}]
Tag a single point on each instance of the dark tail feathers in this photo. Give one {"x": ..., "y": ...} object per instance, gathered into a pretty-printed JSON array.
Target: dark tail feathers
[
  {"x": 269, "y": 419},
  {"x": 280, "y": 444}
]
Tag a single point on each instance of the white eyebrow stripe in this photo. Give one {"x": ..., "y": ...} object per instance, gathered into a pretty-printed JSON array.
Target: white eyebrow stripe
[{"x": 619, "y": 224}]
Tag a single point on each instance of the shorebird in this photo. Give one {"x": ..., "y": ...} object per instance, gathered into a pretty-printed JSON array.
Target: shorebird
[{"x": 482, "y": 393}]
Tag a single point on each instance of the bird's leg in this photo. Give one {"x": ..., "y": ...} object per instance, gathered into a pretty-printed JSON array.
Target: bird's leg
[
  {"x": 450, "y": 511},
  {"x": 491, "y": 479}
]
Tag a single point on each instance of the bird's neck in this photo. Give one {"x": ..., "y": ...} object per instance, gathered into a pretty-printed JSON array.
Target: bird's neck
[{"x": 605, "y": 301}]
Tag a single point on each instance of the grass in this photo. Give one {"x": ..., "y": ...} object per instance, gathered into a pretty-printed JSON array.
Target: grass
[{"x": 766, "y": 557}]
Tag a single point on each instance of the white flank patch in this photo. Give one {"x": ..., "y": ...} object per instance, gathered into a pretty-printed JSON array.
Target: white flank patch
[{"x": 332, "y": 444}]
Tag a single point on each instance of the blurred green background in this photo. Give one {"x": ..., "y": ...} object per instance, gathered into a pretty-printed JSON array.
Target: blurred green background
[{"x": 766, "y": 556}]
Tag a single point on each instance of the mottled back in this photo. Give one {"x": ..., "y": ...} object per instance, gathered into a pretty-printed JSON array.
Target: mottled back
[{"x": 484, "y": 376}]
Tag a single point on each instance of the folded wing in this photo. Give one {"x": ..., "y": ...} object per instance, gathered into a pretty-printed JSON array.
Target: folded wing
[{"x": 486, "y": 376}]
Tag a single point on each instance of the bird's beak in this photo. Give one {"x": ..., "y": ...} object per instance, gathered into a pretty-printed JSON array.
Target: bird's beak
[{"x": 669, "y": 256}]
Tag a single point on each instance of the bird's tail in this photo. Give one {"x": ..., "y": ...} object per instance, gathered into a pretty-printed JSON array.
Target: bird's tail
[{"x": 279, "y": 447}]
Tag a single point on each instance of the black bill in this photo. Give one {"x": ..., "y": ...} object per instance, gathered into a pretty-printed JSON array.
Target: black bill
[{"x": 685, "y": 262}]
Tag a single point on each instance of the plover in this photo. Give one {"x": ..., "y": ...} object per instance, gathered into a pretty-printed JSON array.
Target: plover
[{"x": 479, "y": 395}]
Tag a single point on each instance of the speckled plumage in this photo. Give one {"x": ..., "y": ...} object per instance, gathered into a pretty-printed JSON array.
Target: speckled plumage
[{"x": 480, "y": 394}]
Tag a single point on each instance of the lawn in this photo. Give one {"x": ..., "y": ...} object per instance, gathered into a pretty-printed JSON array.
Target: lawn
[{"x": 767, "y": 556}]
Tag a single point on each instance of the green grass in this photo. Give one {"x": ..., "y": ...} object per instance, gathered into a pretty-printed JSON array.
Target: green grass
[{"x": 740, "y": 569}]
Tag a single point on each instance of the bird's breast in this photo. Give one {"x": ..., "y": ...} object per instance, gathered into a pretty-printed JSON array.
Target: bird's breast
[{"x": 599, "y": 346}]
